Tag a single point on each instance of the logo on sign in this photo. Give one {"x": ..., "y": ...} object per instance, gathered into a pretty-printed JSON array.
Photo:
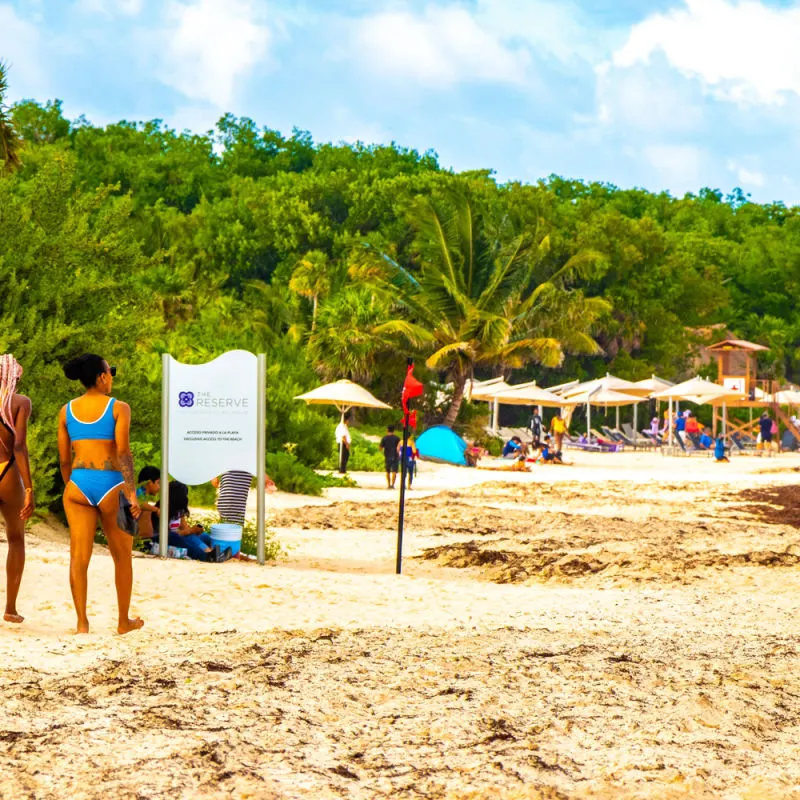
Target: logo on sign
[{"x": 185, "y": 399}]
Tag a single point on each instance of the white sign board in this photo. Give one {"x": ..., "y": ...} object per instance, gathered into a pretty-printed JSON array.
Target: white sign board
[
  {"x": 213, "y": 417},
  {"x": 734, "y": 384}
]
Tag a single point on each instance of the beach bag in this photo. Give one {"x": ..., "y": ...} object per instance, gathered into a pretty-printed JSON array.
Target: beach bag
[
  {"x": 125, "y": 520},
  {"x": 774, "y": 429}
]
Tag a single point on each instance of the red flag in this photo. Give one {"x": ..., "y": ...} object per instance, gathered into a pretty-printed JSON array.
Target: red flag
[{"x": 411, "y": 388}]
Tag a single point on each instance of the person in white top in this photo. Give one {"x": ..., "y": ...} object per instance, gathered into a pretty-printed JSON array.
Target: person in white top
[{"x": 343, "y": 444}]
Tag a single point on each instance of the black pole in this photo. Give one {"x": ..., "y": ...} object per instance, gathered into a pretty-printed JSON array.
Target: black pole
[{"x": 403, "y": 470}]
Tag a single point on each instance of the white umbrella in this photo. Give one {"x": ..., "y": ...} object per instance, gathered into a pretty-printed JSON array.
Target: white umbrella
[
  {"x": 528, "y": 394},
  {"x": 485, "y": 390},
  {"x": 788, "y": 397},
  {"x": 608, "y": 383},
  {"x": 600, "y": 397},
  {"x": 699, "y": 391},
  {"x": 649, "y": 386},
  {"x": 344, "y": 395}
]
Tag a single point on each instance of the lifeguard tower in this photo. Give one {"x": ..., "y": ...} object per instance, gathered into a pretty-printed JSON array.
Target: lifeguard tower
[{"x": 737, "y": 362}]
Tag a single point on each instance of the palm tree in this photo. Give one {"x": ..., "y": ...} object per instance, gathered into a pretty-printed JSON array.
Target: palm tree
[
  {"x": 9, "y": 141},
  {"x": 355, "y": 329},
  {"x": 311, "y": 279},
  {"x": 485, "y": 294}
]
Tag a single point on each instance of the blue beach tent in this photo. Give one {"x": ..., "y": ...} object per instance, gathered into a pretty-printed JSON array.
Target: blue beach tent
[{"x": 442, "y": 444}]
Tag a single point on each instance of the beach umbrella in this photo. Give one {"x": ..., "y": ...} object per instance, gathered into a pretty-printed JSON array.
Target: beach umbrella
[
  {"x": 699, "y": 391},
  {"x": 600, "y": 397},
  {"x": 645, "y": 389},
  {"x": 528, "y": 394},
  {"x": 485, "y": 390},
  {"x": 344, "y": 395},
  {"x": 648, "y": 386},
  {"x": 608, "y": 383},
  {"x": 788, "y": 397}
]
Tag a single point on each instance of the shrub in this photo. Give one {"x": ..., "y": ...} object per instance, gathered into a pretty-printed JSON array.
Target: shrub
[
  {"x": 291, "y": 475},
  {"x": 365, "y": 456}
]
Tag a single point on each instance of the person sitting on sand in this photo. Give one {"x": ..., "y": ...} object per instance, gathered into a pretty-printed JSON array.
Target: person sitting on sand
[
  {"x": 548, "y": 455},
  {"x": 513, "y": 448},
  {"x": 198, "y": 544},
  {"x": 148, "y": 485},
  {"x": 473, "y": 454},
  {"x": 719, "y": 451}
]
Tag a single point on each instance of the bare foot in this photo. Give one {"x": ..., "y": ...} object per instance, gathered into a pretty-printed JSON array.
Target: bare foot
[
  {"x": 83, "y": 627},
  {"x": 130, "y": 625},
  {"x": 13, "y": 617}
]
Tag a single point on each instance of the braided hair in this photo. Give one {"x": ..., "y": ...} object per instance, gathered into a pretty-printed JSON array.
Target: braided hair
[{"x": 10, "y": 373}]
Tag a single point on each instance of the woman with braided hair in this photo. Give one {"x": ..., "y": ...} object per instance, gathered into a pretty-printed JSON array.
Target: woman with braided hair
[{"x": 16, "y": 488}]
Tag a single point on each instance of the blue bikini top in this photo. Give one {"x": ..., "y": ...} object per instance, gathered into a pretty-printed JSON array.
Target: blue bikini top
[{"x": 103, "y": 428}]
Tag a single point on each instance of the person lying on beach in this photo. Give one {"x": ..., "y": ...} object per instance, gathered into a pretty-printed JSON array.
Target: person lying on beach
[{"x": 197, "y": 543}]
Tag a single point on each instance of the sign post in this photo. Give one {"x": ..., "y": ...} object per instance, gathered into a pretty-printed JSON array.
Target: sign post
[
  {"x": 209, "y": 415},
  {"x": 163, "y": 519},
  {"x": 261, "y": 447}
]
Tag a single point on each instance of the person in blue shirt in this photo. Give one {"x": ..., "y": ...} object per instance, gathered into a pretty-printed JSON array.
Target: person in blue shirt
[
  {"x": 719, "y": 450},
  {"x": 512, "y": 448},
  {"x": 705, "y": 440},
  {"x": 148, "y": 485},
  {"x": 680, "y": 426}
]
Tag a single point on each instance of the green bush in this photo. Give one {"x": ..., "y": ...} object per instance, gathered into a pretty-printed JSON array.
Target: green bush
[
  {"x": 365, "y": 456},
  {"x": 291, "y": 475}
]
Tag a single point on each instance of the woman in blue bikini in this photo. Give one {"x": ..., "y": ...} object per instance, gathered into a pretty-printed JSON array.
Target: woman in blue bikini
[{"x": 96, "y": 464}]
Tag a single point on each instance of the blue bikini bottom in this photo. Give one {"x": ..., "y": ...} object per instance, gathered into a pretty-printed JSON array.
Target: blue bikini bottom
[{"x": 95, "y": 484}]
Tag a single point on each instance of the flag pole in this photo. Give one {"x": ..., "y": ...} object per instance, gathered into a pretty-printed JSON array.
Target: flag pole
[{"x": 403, "y": 471}]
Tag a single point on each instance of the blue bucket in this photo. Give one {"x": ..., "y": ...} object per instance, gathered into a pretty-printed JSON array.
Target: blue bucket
[{"x": 226, "y": 534}]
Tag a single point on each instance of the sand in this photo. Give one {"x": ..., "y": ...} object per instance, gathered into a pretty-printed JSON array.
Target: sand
[{"x": 623, "y": 627}]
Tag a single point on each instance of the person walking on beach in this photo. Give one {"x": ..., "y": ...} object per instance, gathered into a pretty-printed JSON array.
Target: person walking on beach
[
  {"x": 97, "y": 466},
  {"x": 536, "y": 427},
  {"x": 233, "y": 489},
  {"x": 390, "y": 445},
  {"x": 16, "y": 487},
  {"x": 765, "y": 428},
  {"x": 343, "y": 443}
]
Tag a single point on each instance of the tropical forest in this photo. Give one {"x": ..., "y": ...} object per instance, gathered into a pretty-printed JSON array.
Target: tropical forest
[{"x": 343, "y": 260}]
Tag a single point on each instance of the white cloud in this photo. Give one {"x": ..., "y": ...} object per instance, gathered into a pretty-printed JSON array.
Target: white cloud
[
  {"x": 745, "y": 51},
  {"x": 20, "y": 48},
  {"x": 647, "y": 99},
  {"x": 556, "y": 28},
  {"x": 745, "y": 176},
  {"x": 679, "y": 167},
  {"x": 128, "y": 8},
  {"x": 210, "y": 45},
  {"x": 443, "y": 46}
]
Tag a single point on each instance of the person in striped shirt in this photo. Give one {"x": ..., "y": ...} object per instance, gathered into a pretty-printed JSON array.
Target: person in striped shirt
[{"x": 233, "y": 488}]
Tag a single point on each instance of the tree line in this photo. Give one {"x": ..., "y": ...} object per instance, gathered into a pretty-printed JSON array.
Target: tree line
[{"x": 340, "y": 260}]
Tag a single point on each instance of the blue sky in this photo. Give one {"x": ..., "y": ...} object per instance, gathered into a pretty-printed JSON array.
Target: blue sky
[{"x": 664, "y": 94}]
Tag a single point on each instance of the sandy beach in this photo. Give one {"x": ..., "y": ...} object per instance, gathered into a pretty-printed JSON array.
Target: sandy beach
[{"x": 620, "y": 628}]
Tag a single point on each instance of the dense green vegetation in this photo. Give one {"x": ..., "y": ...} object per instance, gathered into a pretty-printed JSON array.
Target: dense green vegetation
[{"x": 338, "y": 261}]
